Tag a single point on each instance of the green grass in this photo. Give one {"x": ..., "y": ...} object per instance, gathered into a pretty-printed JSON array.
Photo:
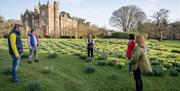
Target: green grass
[
  {"x": 68, "y": 75},
  {"x": 168, "y": 43}
]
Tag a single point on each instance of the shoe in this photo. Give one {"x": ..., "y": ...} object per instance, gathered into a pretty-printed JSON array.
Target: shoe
[
  {"x": 36, "y": 60},
  {"x": 29, "y": 62},
  {"x": 14, "y": 80}
]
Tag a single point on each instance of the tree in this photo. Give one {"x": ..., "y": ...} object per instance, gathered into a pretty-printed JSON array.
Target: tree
[
  {"x": 148, "y": 28},
  {"x": 96, "y": 31},
  {"x": 161, "y": 19},
  {"x": 127, "y": 17},
  {"x": 7, "y": 25},
  {"x": 175, "y": 28},
  {"x": 2, "y": 21},
  {"x": 1, "y": 26},
  {"x": 140, "y": 17}
]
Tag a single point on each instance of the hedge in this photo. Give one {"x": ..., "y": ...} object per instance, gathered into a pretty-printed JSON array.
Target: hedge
[{"x": 121, "y": 35}]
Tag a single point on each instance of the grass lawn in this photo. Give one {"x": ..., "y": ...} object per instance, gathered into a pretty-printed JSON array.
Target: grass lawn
[{"x": 67, "y": 74}]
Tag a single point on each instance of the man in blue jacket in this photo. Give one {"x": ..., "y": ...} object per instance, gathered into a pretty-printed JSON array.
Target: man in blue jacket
[{"x": 33, "y": 45}]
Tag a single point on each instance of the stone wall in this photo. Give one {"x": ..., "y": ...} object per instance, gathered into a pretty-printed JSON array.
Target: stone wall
[{"x": 47, "y": 20}]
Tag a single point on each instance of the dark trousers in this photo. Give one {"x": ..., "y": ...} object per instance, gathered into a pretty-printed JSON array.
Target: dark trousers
[
  {"x": 90, "y": 52},
  {"x": 138, "y": 80},
  {"x": 129, "y": 68}
]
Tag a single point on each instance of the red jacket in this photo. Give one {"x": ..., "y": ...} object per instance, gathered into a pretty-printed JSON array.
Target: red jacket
[{"x": 131, "y": 45}]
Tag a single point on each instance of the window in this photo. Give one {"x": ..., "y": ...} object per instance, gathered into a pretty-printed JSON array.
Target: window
[
  {"x": 43, "y": 13},
  {"x": 43, "y": 22}
]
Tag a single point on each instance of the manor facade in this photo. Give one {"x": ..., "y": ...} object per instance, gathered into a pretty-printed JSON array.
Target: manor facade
[{"x": 49, "y": 20}]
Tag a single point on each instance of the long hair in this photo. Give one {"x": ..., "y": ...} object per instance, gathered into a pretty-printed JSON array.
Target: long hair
[{"x": 140, "y": 41}]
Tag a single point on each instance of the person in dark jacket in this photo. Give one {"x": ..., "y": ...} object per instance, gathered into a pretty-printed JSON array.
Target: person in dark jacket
[
  {"x": 33, "y": 45},
  {"x": 15, "y": 49},
  {"x": 90, "y": 45}
]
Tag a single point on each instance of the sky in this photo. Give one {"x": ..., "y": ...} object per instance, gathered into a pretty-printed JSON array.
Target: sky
[{"x": 95, "y": 11}]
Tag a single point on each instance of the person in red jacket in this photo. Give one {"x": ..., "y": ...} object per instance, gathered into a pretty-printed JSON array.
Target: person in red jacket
[{"x": 130, "y": 47}]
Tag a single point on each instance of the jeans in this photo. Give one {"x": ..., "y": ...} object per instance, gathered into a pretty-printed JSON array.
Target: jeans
[
  {"x": 90, "y": 52},
  {"x": 138, "y": 80},
  {"x": 15, "y": 66},
  {"x": 33, "y": 51}
]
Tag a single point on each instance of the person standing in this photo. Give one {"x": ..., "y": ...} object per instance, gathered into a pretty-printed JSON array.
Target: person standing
[
  {"x": 130, "y": 47},
  {"x": 15, "y": 49},
  {"x": 139, "y": 62},
  {"x": 33, "y": 45},
  {"x": 90, "y": 45}
]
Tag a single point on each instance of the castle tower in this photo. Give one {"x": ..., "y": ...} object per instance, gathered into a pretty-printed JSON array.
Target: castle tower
[
  {"x": 39, "y": 4},
  {"x": 50, "y": 18},
  {"x": 36, "y": 10},
  {"x": 56, "y": 19}
]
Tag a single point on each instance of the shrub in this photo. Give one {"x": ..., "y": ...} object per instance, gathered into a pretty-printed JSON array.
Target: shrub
[
  {"x": 112, "y": 63},
  {"x": 160, "y": 48},
  {"x": 48, "y": 70},
  {"x": 177, "y": 69},
  {"x": 171, "y": 56},
  {"x": 64, "y": 52},
  {"x": 6, "y": 71},
  {"x": 167, "y": 66},
  {"x": 1, "y": 36},
  {"x": 153, "y": 58},
  {"x": 155, "y": 62},
  {"x": 173, "y": 72},
  {"x": 47, "y": 36},
  {"x": 24, "y": 55},
  {"x": 77, "y": 54},
  {"x": 102, "y": 63},
  {"x": 89, "y": 59},
  {"x": 121, "y": 35},
  {"x": 176, "y": 64},
  {"x": 113, "y": 76},
  {"x": 175, "y": 51},
  {"x": 161, "y": 60},
  {"x": 119, "y": 55},
  {"x": 5, "y": 36},
  {"x": 34, "y": 85},
  {"x": 158, "y": 72},
  {"x": 89, "y": 69},
  {"x": 82, "y": 56},
  {"x": 102, "y": 57},
  {"x": 52, "y": 55},
  {"x": 119, "y": 66}
]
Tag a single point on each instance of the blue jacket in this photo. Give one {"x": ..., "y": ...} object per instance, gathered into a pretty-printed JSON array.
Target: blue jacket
[{"x": 31, "y": 40}]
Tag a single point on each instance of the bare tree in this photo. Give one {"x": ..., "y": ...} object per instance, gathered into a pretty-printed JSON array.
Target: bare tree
[
  {"x": 127, "y": 17},
  {"x": 2, "y": 21},
  {"x": 140, "y": 17},
  {"x": 161, "y": 19},
  {"x": 96, "y": 31}
]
